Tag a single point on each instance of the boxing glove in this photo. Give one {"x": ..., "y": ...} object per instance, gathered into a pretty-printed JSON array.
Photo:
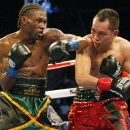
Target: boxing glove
[
  {"x": 120, "y": 86},
  {"x": 111, "y": 67},
  {"x": 17, "y": 56},
  {"x": 59, "y": 50}
]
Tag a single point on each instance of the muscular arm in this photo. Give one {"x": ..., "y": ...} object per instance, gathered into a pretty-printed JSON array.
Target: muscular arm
[
  {"x": 52, "y": 35},
  {"x": 82, "y": 70},
  {"x": 83, "y": 65},
  {"x": 126, "y": 52},
  {"x": 6, "y": 82}
]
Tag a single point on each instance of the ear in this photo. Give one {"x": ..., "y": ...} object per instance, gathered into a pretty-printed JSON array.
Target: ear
[
  {"x": 115, "y": 33},
  {"x": 23, "y": 19}
]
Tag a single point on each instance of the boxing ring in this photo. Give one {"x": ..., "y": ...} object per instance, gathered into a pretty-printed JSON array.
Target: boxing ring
[{"x": 62, "y": 93}]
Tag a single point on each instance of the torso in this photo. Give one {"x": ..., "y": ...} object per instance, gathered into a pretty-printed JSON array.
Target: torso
[
  {"x": 36, "y": 65},
  {"x": 96, "y": 58}
]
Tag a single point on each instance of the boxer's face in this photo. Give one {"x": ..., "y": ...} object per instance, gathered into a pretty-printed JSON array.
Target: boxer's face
[
  {"x": 35, "y": 24},
  {"x": 101, "y": 35}
]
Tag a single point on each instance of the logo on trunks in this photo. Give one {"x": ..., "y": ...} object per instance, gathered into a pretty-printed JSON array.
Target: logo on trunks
[
  {"x": 32, "y": 91},
  {"x": 71, "y": 111},
  {"x": 72, "y": 91},
  {"x": 53, "y": 117}
]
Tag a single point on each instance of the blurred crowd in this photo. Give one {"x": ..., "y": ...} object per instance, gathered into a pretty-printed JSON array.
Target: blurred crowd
[{"x": 61, "y": 79}]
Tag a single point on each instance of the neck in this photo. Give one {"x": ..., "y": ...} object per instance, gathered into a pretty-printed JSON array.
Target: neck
[
  {"x": 24, "y": 38},
  {"x": 105, "y": 48}
]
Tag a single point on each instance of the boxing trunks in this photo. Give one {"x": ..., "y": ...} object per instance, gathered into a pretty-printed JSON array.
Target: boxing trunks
[
  {"x": 89, "y": 113},
  {"x": 26, "y": 107}
]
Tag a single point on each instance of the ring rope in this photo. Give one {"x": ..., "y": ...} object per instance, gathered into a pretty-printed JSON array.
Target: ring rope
[
  {"x": 61, "y": 65},
  {"x": 62, "y": 92}
]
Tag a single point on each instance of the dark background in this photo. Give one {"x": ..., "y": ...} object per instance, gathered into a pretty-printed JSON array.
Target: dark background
[{"x": 75, "y": 17}]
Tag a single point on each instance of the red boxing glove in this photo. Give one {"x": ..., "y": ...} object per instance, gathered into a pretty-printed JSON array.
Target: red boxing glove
[
  {"x": 120, "y": 86},
  {"x": 104, "y": 84}
]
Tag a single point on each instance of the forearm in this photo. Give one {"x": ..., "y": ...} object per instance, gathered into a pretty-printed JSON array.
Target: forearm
[
  {"x": 6, "y": 82},
  {"x": 87, "y": 81}
]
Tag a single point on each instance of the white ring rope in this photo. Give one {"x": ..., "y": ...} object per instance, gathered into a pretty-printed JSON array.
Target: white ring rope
[{"x": 62, "y": 92}]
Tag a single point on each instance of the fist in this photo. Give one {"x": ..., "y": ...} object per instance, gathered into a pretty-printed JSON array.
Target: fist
[
  {"x": 18, "y": 54},
  {"x": 58, "y": 51},
  {"x": 111, "y": 67}
]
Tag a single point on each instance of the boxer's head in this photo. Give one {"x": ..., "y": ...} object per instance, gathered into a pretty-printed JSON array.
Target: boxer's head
[
  {"x": 26, "y": 9},
  {"x": 111, "y": 15}
]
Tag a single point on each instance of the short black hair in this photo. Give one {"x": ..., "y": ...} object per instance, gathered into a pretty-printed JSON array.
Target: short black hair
[
  {"x": 25, "y": 10},
  {"x": 111, "y": 15}
]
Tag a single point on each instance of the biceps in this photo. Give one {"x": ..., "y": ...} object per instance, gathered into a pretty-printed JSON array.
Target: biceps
[
  {"x": 66, "y": 36},
  {"x": 126, "y": 66},
  {"x": 83, "y": 64}
]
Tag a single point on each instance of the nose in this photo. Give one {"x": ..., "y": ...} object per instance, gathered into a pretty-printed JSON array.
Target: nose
[
  {"x": 96, "y": 37},
  {"x": 42, "y": 26}
]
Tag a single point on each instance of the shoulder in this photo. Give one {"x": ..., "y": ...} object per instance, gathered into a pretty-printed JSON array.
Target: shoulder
[
  {"x": 7, "y": 39},
  {"x": 124, "y": 46},
  {"x": 6, "y": 42},
  {"x": 52, "y": 34},
  {"x": 123, "y": 43},
  {"x": 52, "y": 30},
  {"x": 88, "y": 38},
  {"x": 121, "y": 40}
]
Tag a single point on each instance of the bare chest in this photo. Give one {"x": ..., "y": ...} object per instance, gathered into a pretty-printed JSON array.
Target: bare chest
[
  {"x": 97, "y": 60},
  {"x": 37, "y": 64}
]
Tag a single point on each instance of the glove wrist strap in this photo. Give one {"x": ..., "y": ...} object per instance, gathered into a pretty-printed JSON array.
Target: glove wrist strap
[
  {"x": 104, "y": 84},
  {"x": 12, "y": 73},
  {"x": 74, "y": 45},
  {"x": 125, "y": 74}
]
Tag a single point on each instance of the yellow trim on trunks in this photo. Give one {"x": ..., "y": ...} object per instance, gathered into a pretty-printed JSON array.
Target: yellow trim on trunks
[{"x": 33, "y": 119}]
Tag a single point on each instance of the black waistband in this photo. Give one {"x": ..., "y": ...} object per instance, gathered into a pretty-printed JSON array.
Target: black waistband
[
  {"x": 84, "y": 95},
  {"x": 28, "y": 86},
  {"x": 31, "y": 81}
]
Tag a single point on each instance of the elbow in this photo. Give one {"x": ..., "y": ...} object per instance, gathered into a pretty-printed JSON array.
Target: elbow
[
  {"x": 4, "y": 88},
  {"x": 78, "y": 80}
]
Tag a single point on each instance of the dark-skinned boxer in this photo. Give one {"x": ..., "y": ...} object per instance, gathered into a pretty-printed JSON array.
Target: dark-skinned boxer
[{"x": 24, "y": 59}]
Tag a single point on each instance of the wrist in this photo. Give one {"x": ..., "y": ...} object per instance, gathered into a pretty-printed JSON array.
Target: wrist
[
  {"x": 12, "y": 73},
  {"x": 74, "y": 44},
  {"x": 104, "y": 84},
  {"x": 125, "y": 74}
]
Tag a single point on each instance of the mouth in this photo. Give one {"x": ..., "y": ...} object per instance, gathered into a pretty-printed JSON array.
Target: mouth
[
  {"x": 40, "y": 33},
  {"x": 97, "y": 44}
]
